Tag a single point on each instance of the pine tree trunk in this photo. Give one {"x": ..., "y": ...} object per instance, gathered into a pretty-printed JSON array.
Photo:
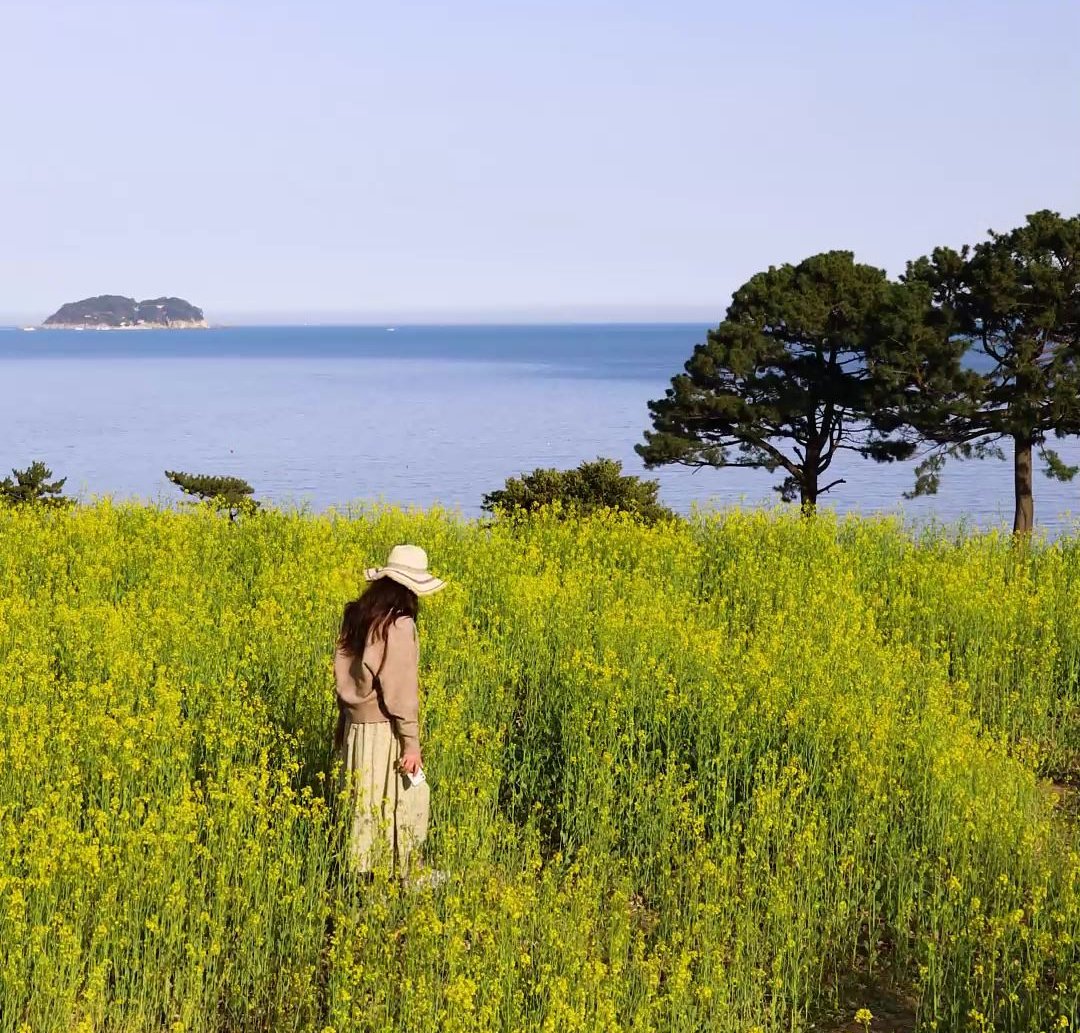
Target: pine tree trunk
[
  {"x": 1024, "y": 519},
  {"x": 808, "y": 478}
]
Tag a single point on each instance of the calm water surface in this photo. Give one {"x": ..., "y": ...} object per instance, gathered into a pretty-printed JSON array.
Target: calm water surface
[{"x": 331, "y": 415}]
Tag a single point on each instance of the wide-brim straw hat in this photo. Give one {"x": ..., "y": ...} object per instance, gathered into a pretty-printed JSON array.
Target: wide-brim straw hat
[{"x": 407, "y": 565}]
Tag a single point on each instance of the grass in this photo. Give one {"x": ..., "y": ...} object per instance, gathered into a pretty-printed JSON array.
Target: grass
[{"x": 733, "y": 774}]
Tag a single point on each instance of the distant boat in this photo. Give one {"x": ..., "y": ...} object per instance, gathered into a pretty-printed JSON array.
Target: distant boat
[
  {"x": 391, "y": 329},
  {"x": 29, "y": 329}
]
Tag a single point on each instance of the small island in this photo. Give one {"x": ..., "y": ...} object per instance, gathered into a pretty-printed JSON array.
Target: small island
[{"x": 113, "y": 312}]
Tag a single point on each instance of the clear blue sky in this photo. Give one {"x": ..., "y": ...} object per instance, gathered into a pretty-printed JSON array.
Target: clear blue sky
[{"x": 470, "y": 159}]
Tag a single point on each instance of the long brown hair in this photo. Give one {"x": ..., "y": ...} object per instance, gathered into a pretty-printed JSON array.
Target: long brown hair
[{"x": 370, "y": 615}]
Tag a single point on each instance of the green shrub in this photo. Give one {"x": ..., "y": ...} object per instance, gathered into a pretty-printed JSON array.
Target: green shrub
[{"x": 599, "y": 484}]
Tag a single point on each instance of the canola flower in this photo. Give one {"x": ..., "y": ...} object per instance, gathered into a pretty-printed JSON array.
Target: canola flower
[{"x": 686, "y": 777}]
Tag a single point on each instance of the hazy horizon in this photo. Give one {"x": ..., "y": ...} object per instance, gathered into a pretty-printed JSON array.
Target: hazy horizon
[
  {"x": 483, "y": 162},
  {"x": 553, "y": 316}
]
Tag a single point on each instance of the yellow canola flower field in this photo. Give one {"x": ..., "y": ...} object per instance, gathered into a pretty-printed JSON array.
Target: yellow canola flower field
[{"x": 689, "y": 777}]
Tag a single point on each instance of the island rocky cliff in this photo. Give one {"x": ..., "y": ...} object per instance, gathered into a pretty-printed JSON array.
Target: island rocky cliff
[{"x": 113, "y": 312}]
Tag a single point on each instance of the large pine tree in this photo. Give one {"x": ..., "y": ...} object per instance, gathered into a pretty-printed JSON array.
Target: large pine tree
[
  {"x": 791, "y": 376},
  {"x": 1014, "y": 303}
]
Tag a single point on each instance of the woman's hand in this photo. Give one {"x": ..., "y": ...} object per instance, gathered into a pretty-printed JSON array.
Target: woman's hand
[{"x": 410, "y": 761}]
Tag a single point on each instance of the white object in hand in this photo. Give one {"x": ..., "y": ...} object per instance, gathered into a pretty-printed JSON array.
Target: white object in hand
[{"x": 415, "y": 778}]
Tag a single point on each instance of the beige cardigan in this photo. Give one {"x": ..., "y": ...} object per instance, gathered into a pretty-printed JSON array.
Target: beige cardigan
[{"x": 382, "y": 684}]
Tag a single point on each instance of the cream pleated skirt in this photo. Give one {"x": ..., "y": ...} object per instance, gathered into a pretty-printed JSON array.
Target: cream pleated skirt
[{"x": 389, "y": 813}]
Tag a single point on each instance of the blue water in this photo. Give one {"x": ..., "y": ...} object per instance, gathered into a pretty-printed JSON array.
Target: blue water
[{"x": 330, "y": 415}]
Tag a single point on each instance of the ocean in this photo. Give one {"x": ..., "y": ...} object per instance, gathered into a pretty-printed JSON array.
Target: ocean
[{"x": 322, "y": 416}]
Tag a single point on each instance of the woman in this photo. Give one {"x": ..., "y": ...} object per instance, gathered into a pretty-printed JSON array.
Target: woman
[{"x": 378, "y": 737}]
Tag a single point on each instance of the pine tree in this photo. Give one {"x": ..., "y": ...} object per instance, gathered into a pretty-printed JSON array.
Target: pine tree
[
  {"x": 226, "y": 494},
  {"x": 791, "y": 377},
  {"x": 32, "y": 486},
  {"x": 1013, "y": 302}
]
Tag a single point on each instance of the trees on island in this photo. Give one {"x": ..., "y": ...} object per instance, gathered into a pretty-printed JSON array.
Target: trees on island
[{"x": 967, "y": 349}]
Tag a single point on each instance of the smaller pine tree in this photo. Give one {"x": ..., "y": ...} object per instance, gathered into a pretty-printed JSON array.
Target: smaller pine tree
[
  {"x": 32, "y": 487},
  {"x": 225, "y": 494}
]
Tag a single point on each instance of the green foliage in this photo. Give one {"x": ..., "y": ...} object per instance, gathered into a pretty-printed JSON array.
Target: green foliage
[
  {"x": 788, "y": 379},
  {"x": 226, "y": 494},
  {"x": 1014, "y": 301},
  {"x": 33, "y": 487},
  {"x": 928, "y": 472},
  {"x": 1056, "y": 467},
  {"x": 599, "y": 484},
  {"x": 166, "y": 310}
]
